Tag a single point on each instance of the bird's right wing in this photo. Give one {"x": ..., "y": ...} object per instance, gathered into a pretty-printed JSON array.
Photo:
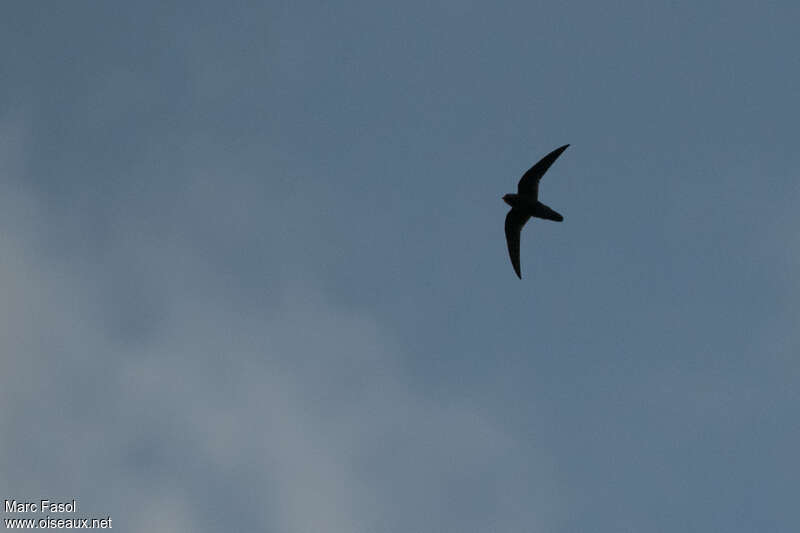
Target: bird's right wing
[
  {"x": 515, "y": 219},
  {"x": 529, "y": 183}
]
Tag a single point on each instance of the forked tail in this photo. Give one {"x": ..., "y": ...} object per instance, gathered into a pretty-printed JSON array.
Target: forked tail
[{"x": 547, "y": 213}]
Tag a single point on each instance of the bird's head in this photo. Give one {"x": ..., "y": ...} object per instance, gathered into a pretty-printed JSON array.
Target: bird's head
[{"x": 509, "y": 199}]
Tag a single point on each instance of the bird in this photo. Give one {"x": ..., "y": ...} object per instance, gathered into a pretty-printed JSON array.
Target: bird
[{"x": 525, "y": 204}]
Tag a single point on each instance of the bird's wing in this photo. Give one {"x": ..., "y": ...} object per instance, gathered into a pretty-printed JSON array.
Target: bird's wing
[
  {"x": 515, "y": 219},
  {"x": 529, "y": 183}
]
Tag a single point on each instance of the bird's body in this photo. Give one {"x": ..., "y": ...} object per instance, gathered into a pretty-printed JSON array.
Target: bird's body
[
  {"x": 525, "y": 204},
  {"x": 532, "y": 207}
]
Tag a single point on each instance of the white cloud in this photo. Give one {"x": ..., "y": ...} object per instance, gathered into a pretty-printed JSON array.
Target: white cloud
[{"x": 296, "y": 416}]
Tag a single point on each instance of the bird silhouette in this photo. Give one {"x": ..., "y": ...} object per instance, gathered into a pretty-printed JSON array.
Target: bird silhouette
[{"x": 525, "y": 204}]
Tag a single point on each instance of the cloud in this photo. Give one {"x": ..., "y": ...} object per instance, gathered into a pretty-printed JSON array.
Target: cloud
[{"x": 136, "y": 381}]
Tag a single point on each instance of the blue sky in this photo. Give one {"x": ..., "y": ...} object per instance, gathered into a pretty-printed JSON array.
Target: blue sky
[{"x": 255, "y": 278}]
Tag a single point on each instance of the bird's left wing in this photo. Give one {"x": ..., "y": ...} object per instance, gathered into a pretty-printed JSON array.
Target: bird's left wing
[
  {"x": 515, "y": 219},
  {"x": 529, "y": 183}
]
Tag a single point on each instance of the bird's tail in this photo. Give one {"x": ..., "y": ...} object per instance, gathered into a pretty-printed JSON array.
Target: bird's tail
[{"x": 549, "y": 214}]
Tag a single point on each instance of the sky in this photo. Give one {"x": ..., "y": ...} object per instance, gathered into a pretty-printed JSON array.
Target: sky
[{"x": 254, "y": 276}]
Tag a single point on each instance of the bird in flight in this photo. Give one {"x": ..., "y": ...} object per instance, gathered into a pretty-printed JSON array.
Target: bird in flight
[{"x": 525, "y": 204}]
